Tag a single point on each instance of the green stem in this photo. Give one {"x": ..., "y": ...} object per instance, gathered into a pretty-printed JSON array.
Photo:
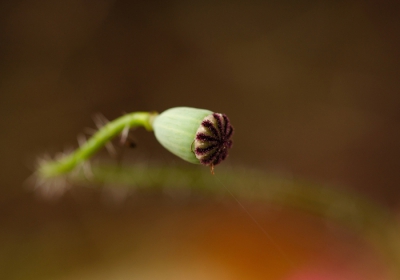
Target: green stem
[{"x": 49, "y": 169}]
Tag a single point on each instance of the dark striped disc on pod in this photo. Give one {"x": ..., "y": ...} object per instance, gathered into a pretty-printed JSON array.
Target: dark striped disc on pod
[{"x": 213, "y": 139}]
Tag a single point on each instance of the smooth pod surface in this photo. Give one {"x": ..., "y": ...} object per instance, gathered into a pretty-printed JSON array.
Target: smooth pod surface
[{"x": 176, "y": 129}]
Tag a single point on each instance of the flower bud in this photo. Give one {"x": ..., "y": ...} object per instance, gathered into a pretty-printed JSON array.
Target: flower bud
[{"x": 195, "y": 135}]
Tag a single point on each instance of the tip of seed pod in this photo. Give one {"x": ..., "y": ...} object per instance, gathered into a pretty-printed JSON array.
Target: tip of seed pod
[{"x": 213, "y": 140}]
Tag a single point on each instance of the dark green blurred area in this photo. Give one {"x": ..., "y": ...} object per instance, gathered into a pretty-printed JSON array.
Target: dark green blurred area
[{"x": 312, "y": 88}]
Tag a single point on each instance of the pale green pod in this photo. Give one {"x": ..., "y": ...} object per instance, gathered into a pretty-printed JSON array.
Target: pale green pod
[
  {"x": 195, "y": 135},
  {"x": 176, "y": 129}
]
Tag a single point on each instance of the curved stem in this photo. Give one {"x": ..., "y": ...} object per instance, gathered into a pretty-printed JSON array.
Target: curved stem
[{"x": 49, "y": 169}]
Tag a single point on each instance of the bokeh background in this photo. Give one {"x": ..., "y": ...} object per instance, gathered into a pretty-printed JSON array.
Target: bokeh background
[{"x": 312, "y": 88}]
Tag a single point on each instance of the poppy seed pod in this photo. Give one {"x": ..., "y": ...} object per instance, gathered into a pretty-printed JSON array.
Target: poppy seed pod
[{"x": 195, "y": 135}]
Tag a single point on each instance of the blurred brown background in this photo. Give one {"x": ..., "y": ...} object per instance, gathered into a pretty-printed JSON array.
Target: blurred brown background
[{"x": 312, "y": 88}]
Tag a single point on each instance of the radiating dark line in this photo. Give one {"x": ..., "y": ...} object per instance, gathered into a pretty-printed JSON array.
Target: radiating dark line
[
  {"x": 219, "y": 124},
  {"x": 208, "y": 149},
  {"x": 227, "y": 123},
  {"x": 204, "y": 137},
  {"x": 207, "y": 124}
]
